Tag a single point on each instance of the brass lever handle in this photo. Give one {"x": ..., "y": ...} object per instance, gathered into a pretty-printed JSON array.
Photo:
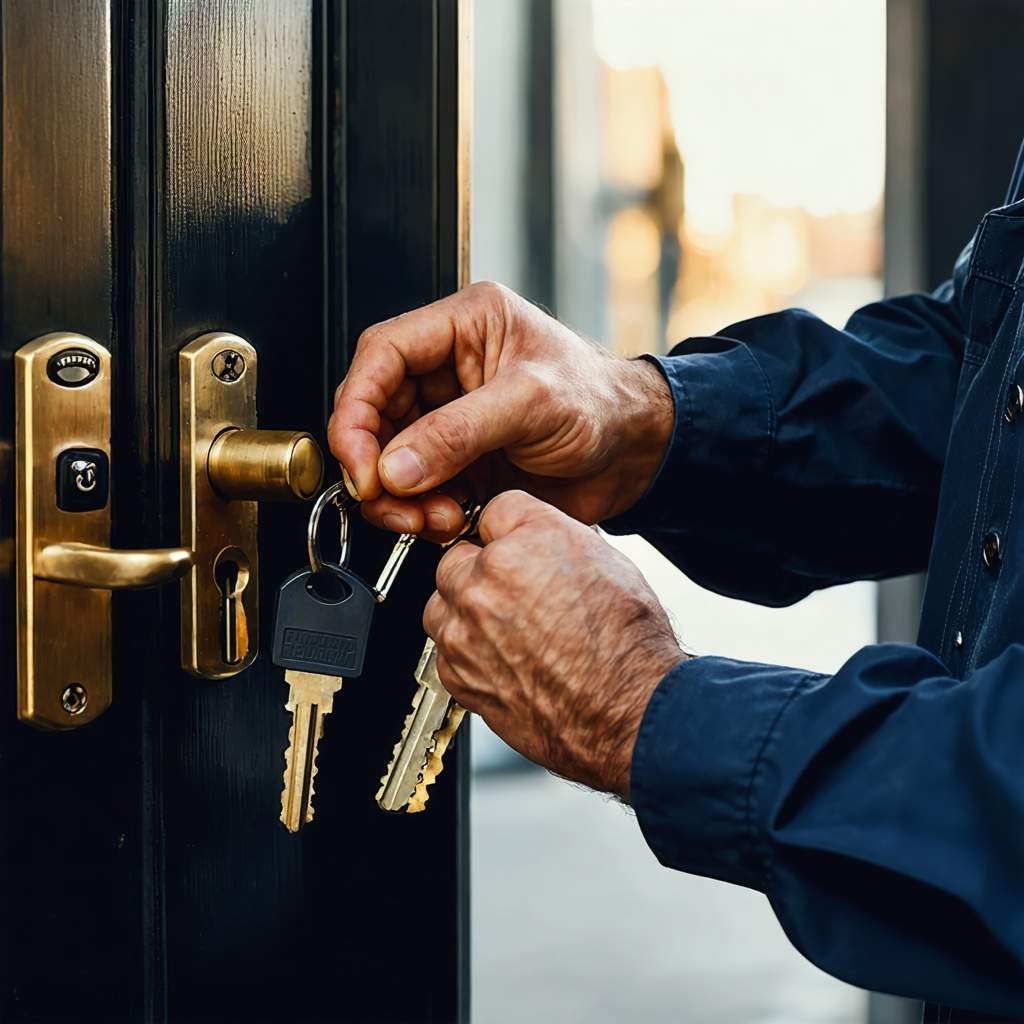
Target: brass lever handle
[
  {"x": 100, "y": 568},
  {"x": 65, "y": 569}
]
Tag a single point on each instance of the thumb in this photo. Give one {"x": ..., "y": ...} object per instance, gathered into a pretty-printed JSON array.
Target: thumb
[
  {"x": 441, "y": 444},
  {"x": 510, "y": 510}
]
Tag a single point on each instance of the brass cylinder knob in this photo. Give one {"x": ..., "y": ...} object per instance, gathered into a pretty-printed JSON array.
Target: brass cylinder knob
[{"x": 265, "y": 465}]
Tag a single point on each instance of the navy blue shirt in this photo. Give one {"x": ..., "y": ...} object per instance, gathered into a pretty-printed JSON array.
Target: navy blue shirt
[{"x": 880, "y": 809}]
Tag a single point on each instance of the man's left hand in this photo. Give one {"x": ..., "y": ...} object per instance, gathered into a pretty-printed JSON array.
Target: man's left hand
[{"x": 553, "y": 637}]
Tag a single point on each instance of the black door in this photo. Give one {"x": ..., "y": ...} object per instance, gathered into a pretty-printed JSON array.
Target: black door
[{"x": 289, "y": 171}]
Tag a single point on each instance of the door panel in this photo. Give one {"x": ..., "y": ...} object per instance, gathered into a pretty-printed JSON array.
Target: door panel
[
  {"x": 239, "y": 250},
  {"x": 289, "y": 172}
]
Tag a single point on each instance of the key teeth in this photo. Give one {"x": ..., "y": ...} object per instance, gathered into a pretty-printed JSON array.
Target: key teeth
[
  {"x": 435, "y": 760},
  {"x": 287, "y": 776},
  {"x": 406, "y": 728}
]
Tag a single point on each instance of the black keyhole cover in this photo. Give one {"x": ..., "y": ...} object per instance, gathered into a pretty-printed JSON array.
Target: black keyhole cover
[{"x": 83, "y": 479}]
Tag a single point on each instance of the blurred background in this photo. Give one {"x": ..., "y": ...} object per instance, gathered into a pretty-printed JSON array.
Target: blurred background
[{"x": 651, "y": 170}]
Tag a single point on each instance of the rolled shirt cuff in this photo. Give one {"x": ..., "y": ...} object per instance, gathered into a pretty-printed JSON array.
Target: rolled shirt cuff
[{"x": 723, "y": 423}]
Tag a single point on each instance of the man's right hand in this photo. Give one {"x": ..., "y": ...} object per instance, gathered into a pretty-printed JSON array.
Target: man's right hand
[{"x": 482, "y": 392}]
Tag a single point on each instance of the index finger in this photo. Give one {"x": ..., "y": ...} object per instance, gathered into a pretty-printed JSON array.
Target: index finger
[{"x": 386, "y": 355}]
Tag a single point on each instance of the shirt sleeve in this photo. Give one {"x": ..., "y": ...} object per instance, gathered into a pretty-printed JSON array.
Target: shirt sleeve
[
  {"x": 878, "y": 809},
  {"x": 804, "y": 455}
]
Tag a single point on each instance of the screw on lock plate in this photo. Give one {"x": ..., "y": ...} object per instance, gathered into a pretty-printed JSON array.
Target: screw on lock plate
[
  {"x": 228, "y": 365},
  {"x": 75, "y": 699}
]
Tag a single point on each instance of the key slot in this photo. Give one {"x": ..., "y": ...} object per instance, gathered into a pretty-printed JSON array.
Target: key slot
[
  {"x": 306, "y": 797},
  {"x": 231, "y": 575}
]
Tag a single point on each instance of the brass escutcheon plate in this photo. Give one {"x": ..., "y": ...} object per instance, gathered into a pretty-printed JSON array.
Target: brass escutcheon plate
[
  {"x": 217, "y": 378},
  {"x": 62, "y": 385}
]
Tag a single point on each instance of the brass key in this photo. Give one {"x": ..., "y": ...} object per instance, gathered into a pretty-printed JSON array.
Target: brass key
[
  {"x": 321, "y": 630},
  {"x": 431, "y": 725},
  {"x": 310, "y": 700},
  {"x": 429, "y": 728}
]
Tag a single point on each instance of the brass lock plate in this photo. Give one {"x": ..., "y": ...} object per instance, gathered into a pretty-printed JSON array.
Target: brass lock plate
[
  {"x": 62, "y": 431},
  {"x": 220, "y": 595}
]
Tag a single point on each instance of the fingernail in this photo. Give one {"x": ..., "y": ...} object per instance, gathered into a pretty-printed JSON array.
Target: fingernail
[
  {"x": 403, "y": 468},
  {"x": 438, "y": 521},
  {"x": 396, "y": 522},
  {"x": 350, "y": 484}
]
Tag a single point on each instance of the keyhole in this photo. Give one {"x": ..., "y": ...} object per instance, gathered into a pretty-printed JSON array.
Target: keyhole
[{"x": 231, "y": 574}]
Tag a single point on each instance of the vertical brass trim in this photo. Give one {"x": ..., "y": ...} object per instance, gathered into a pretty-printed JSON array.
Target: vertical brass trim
[
  {"x": 210, "y": 525},
  {"x": 72, "y": 649}
]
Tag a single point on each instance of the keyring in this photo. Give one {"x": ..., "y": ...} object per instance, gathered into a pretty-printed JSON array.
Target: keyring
[
  {"x": 341, "y": 498},
  {"x": 338, "y": 496}
]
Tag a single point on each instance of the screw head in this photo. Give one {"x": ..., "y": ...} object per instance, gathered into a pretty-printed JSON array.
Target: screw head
[
  {"x": 74, "y": 700},
  {"x": 228, "y": 365}
]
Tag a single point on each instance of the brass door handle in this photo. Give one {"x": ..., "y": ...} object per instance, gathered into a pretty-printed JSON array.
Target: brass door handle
[{"x": 93, "y": 566}]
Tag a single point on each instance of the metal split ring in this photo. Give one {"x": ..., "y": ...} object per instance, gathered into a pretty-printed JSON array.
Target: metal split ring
[
  {"x": 338, "y": 496},
  {"x": 341, "y": 498}
]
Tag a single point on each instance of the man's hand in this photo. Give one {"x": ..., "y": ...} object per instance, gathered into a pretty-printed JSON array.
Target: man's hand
[
  {"x": 485, "y": 384},
  {"x": 553, "y": 637}
]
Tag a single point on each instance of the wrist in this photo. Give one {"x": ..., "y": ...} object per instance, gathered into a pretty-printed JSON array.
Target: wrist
[
  {"x": 646, "y": 412},
  {"x": 656, "y": 666}
]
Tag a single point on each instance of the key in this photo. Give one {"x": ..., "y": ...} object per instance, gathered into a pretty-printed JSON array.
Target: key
[
  {"x": 429, "y": 728},
  {"x": 321, "y": 626}
]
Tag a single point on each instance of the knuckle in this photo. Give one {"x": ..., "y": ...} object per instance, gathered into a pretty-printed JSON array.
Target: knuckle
[
  {"x": 500, "y": 559},
  {"x": 370, "y": 337},
  {"x": 443, "y": 575},
  {"x": 493, "y": 307},
  {"x": 506, "y": 502},
  {"x": 432, "y": 614},
  {"x": 540, "y": 387},
  {"x": 452, "y": 433},
  {"x": 447, "y": 568},
  {"x": 449, "y": 679},
  {"x": 475, "y": 598},
  {"x": 456, "y": 638},
  {"x": 443, "y": 640},
  {"x": 490, "y": 293},
  {"x": 503, "y": 507}
]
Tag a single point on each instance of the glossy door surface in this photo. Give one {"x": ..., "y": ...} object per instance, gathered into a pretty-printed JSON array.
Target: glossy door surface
[{"x": 291, "y": 172}]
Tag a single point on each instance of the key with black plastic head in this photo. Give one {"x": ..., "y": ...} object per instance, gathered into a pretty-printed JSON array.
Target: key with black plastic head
[{"x": 321, "y": 627}]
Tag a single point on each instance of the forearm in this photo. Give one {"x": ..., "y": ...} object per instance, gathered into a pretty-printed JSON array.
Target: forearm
[{"x": 863, "y": 806}]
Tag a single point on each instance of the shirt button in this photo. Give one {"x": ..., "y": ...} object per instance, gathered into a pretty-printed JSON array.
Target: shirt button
[
  {"x": 992, "y": 549},
  {"x": 1014, "y": 403},
  {"x": 958, "y": 640}
]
